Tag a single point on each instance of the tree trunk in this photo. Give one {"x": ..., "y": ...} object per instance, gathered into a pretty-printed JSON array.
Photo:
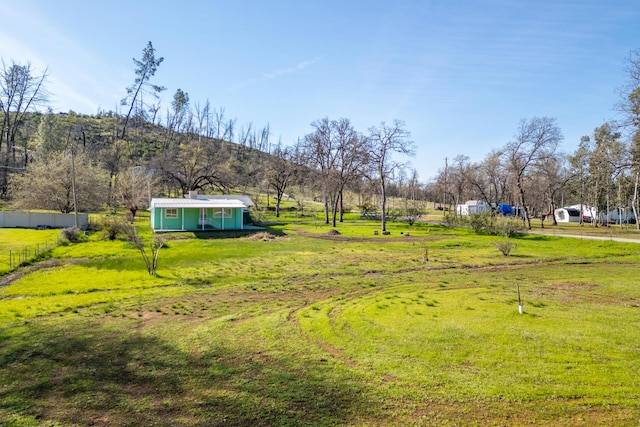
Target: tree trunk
[
  {"x": 334, "y": 209},
  {"x": 525, "y": 211},
  {"x": 383, "y": 214},
  {"x": 326, "y": 210},
  {"x": 634, "y": 204},
  {"x": 278, "y": 199}
]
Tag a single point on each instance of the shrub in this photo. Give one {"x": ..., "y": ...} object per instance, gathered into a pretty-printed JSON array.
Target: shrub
[
  {"x": 492, "y": 225},
  {"x": 508, "y": 227},
  {"x": 258, "y": 215},
  {"x": 71, "y": 235},
  {"x": 506, "y": 246},
  {"x": 481, "y": 222},
  {"x": 113, "y": 228},
  {"x": 450, "y": 220},
  {"x": 425, "y": 252}
]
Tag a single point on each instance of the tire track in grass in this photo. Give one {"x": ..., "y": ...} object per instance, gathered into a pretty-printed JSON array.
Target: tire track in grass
[{"x": 331, "y": 350}]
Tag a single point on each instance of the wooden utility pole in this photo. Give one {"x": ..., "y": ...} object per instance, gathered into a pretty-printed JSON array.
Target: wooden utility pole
[
  {"x": 444, "y": 190},
  {"x": 73, "y": 184}
]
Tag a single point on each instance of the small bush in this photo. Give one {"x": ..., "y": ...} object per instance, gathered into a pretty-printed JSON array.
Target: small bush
[
  {"x": 113, "y": 228},
  {"x": 506, "y": 246},
  {"x": 450, "y": 220},
  {"x": 492, "y": 225},
  {"x": 425, "y": 252},
  {"x": 480, "y": 223},
  {"x": 507, "y": 227},
  {"x": 71, "y": 235},
  {"x": 258, "y": 215}
]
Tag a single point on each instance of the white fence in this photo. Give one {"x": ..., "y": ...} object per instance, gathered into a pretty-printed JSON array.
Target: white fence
[{"x": 25, "y": 219}]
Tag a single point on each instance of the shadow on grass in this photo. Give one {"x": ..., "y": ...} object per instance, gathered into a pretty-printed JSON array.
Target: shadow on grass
[
  {"x": 219, "y": 234},
  {"x": 81, "y": 373}
]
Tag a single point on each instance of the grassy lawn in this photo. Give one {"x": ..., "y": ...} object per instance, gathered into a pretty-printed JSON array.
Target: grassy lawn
[
  {"x": 420, "y": 327},
  {"x": 18, "y": 245}
]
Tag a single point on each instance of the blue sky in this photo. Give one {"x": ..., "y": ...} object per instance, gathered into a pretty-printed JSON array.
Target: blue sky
[{"x": 460, "y": 74}]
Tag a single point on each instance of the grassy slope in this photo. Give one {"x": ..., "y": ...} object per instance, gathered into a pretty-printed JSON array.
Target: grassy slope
[{"x": 312, "y": 329}]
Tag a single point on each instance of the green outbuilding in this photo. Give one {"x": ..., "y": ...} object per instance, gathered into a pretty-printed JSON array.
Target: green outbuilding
[{"x": 199, "y": 212}]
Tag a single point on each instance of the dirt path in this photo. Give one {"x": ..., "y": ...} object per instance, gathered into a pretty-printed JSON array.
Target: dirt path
[
  {"x": 589, "y": 237},
  {"x": 23, "y": 271}
]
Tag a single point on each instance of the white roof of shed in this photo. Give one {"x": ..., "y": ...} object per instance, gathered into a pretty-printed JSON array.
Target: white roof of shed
[
  {"x": 241, "y": 197},
  {"x": 197, "y": 203}
]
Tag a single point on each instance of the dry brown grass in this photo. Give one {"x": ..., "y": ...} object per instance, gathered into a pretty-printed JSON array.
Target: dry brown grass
[{"x": 263, "y": 235}]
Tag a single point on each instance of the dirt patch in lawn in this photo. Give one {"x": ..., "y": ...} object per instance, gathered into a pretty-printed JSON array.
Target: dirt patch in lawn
[{"x": 582, "y": 292}]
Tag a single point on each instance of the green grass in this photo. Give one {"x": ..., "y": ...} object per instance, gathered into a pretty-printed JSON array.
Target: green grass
[
  {"x": 18, "y": 245},
  {"x": 468, "y": 340},
  {"x": 320, "y": 329}
]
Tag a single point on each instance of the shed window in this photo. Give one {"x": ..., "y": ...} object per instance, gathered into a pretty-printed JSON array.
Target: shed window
[
  {"x": 222, "y": 213},
  {"x": 171, "y": 213}
]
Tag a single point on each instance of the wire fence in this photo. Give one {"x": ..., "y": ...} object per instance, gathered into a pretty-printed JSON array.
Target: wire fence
[{"x": 27, "y": 253}]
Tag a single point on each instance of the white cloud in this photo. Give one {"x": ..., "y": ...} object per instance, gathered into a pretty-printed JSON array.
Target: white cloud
[
  {"x": 277, "y": 73},
  {"x": 291, "y": 70}
]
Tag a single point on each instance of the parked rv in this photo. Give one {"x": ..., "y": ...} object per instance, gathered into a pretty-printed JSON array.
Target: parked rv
[
  {"x": 471, "y": 207},
  {"x": 567, "y": 215}
]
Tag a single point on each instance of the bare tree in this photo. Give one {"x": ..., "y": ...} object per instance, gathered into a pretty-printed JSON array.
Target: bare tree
[
  {"x": 630, "y": 107},
  {"x": 20, "y": 92},
  {"x": 337, "y": 154},
  {"x": 551, "y": 181},
  {"x": 535, "y": 142},
  {"x": 488, "y": 178},
  {"x": 579, "y": 162},
  {"x": 202, "y": 116},
  {"x": 133, "y": 189},
  {"x": 606, "y": 162},
  {"x": 385, "y": 141},
  {"x": 458, "y": 179},
  {"x": 150, "y": 260},
  {"x": 195, "y": 166},
  {"x": 351, "y": 161},
  {"x": 321, "y": 156},
  {"x": 219, "y": 127},
  {"x": 280, "y": 169}
]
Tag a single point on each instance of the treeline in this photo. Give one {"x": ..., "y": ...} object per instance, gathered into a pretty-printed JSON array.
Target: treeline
[
  {"x": 122, "y": 159},
  {"x": 69, "y": 161},
  {"x": 531, "y": 171}
]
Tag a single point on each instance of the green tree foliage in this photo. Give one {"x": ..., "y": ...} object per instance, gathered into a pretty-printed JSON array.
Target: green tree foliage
[{"x": 145, "y": 69}]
